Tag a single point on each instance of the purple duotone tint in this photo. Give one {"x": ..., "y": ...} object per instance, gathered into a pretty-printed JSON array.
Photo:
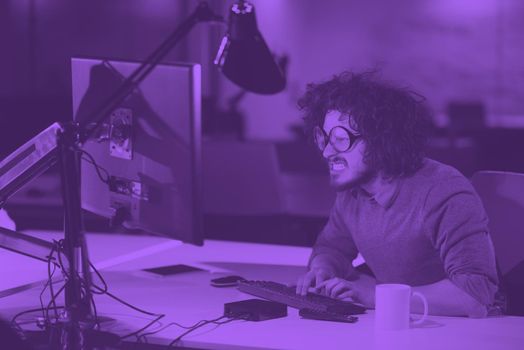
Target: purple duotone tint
[{"x": 200, "y": 177}]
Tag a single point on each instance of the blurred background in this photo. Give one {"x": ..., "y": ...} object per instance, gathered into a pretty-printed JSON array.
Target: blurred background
[{"x": 262, "y": 181}]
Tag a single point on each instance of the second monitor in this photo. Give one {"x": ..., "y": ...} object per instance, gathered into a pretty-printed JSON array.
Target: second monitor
[{"x": 142, "y": 167}]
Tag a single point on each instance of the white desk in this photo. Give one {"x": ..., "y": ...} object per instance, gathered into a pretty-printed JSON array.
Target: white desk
[{"x": 187, "y": 298}]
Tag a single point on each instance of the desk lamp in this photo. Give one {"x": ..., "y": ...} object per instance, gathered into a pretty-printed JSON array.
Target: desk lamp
[{"x": 244, "y": 57}]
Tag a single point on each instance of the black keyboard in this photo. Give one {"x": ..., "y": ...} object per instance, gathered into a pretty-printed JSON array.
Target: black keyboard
[{"x": 287, "y": 295}]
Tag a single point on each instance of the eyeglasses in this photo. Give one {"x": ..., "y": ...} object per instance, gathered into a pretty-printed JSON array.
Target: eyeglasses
[{"x": 340, "y": 138}]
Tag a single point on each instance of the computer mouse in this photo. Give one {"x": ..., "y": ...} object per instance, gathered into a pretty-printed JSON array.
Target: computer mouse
[{"x": 227, "y": 281}]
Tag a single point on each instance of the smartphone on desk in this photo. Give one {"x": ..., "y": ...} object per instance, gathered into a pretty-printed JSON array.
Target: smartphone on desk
[{"x": 170, "y": 270}]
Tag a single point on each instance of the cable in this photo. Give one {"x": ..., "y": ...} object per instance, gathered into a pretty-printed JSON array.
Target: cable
[
  {"x": 203, "y": 324},
  {"x": 83, "y": 283},
  {"x": 93, "y": 162},
  {"x": 52, "y": 301},
  {"x": 97, "y": 322},
  {"x": 194, "y": 329},
  {"x": 13, "y": 319},
  {"x": 173, "y": 324},
  {"x": 95, "y": 289},
  {"x": 104, "y": 291},
  {"x": 60, "y": 262},
  {"x": 197, "y": 324},
  {"x": 137, "y": 332},
  {"x": 157, "y": 316},
  {"x": 128, "y": 304},
  {"x": 49, "y": 282},
  {"x": 99, "y": 275},
  {"x": 57, "y": 246}
]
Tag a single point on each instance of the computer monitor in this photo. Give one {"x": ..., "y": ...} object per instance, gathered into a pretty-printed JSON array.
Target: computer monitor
[{"x": 147, "y": 152}]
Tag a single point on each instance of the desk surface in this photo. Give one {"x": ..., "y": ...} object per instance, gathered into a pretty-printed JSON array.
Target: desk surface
[{"x": 188, "y": 298}]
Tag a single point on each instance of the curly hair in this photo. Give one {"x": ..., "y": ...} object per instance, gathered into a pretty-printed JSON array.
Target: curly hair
[{"x": 394, "y": 122}]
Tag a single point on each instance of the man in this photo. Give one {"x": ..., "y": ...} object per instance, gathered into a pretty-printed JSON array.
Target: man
[{"x": 414, "y": 220}]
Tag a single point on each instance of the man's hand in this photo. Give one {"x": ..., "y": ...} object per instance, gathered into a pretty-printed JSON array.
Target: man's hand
[
  {"x": 361, "y": 290},
  {"x": 313, "y": 277}
]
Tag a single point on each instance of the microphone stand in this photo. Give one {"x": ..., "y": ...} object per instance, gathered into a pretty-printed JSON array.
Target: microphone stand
[{"x": 75, "y": 328}]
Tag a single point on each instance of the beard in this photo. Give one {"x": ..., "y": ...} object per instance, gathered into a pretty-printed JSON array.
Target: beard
[{"x": 356, "y": 181}]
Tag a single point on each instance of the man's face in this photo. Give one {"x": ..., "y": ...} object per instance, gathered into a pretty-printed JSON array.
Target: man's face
[{"x": 346, "y": 168}]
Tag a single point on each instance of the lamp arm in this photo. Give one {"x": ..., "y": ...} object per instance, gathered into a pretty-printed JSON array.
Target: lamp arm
[{"x": 201, "y": 14}]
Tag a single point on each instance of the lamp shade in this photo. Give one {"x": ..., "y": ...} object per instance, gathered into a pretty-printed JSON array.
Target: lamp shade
[{"x": 244, "y": 57}]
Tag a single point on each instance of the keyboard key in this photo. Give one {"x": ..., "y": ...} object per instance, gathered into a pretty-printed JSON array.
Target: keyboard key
[{"x": 287, "y": 295}]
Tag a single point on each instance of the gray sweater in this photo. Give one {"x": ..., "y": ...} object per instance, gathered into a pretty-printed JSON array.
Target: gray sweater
[{"x": 416, "y": 230}]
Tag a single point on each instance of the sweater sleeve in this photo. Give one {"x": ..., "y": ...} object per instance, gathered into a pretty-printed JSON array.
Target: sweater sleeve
[
  {"x": 457, "y": 226},
  {"x": 334, "y": 248}
]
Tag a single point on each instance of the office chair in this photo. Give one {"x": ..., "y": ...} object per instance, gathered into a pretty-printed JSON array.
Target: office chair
[{"x": 502, "y": 194}]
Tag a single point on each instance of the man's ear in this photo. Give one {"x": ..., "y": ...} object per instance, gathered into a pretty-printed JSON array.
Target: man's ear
[{"x": 353, "y": 124}]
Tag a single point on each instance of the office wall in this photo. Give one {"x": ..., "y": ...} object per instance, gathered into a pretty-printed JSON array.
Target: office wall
[
  {"x": 468, "y": 50},
  {"x": 44, "y": 34},
  {"x": 448, "y": 50}
]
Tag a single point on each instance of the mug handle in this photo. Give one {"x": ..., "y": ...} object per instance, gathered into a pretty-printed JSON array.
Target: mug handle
[{"x": 425, "y": 302}]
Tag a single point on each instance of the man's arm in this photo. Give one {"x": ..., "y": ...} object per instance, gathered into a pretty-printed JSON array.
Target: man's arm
[
  {"x": 334, "y": 249},
  {"x": 457, "y": 226},
  {"x": 333, "y": 252},
  {"x": 446, "y": 299}
]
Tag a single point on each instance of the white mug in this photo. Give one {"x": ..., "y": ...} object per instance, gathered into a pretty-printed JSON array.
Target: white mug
[{"x": 392, "y": 306}]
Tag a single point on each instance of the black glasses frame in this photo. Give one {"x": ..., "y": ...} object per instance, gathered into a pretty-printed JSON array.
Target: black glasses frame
[{"x": 352, "y": 138}]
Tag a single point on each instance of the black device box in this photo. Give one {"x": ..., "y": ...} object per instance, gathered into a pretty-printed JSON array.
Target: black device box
[{"x": 255, "y": 310}]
